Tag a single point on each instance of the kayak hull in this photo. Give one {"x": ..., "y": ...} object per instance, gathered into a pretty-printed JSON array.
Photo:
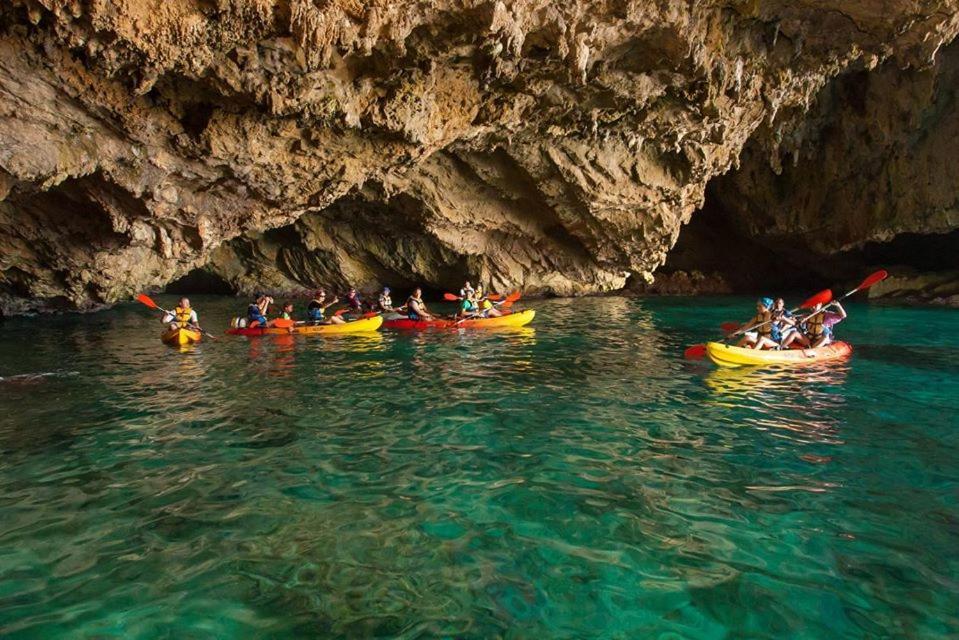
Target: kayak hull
[
  {"x": 518, "y": 319},
  {"x": 729, "y": 356},
  {"x": 364, "y": 325},
  {"x": 180, "y": 336}
]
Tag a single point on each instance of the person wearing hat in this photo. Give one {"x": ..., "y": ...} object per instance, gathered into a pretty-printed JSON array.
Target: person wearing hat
[
  {"x": 317, "y": 308},
  {"x": 385, "y": 302},
  {"x": 760, "y": 325}
]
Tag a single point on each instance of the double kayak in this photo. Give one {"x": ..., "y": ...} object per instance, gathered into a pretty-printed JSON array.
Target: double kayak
[
  {"x": 729, "y": 356},
  {"x": 180, "y": 336},
  {"x": 518, "y": 319},
  {"x": 363, "y": 325}
]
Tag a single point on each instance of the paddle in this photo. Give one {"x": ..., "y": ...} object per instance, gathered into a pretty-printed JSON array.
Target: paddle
[
  {"x": 510, "y": 299},
  {"x": 148, "y": 301},
  {"x": 871, "y": 279},
  {"x": 697, "y": 351},
  {"x": 449, "y": 297},
  {"x": 729, "y": 327}
]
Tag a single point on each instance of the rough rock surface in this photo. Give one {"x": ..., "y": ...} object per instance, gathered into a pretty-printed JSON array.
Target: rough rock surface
[{"x": 555, "y": 146}]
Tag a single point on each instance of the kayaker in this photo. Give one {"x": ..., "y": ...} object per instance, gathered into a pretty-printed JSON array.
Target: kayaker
[
  {"x": 488, "y": 309},
  {"x": 256, "y": 312},
  {"x": 415, "y": 307},
  {"x": 353, "y": 299},
  {"x": 468, "y": 306},
  {"x": 316, "y": 310},
  {"x": 759, "y": 325},
  {"x": 781, "y": 325},
  {"x": 819, "y": 325},
  {"x": 287, "y": 312},
  {"x": 467, "y": 291},
  {"x": 385, "y": 302},
  {"x": 183, "y": 316}
]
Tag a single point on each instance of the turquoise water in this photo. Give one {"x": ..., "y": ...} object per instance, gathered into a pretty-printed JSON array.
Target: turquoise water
[{"x": 577, "y": 479}]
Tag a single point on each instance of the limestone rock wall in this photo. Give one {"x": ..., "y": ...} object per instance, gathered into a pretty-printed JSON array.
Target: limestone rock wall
[{"x": 557, "y": 146}]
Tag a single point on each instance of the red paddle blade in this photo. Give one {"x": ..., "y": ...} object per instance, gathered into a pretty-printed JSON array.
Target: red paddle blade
[
  {"x": 340, "y": 312},
  {"x": 510, "y": 299},
  {"x": 820, "y": 298},
  {"x": 280, "y": 323},
  {"x": 449, "y": 297},
  {"x": 495, "y": 296},
  {"x": 872, "y": 279},
  {"x": 695, "y": 352},
  {"x": 145, "y": 299},
  {"x": 729, "y": 327}
]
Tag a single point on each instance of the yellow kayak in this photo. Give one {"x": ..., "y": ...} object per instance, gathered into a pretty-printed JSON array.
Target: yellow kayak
[
  {"x": 180, "y": 336},
  {"x": 363, "y": 325},
  {"x": 729, "y": 356},
  {"x": 518, "y": 319}
]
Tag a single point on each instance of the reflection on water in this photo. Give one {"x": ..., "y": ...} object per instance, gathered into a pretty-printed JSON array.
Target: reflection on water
[{"x": 574, "y": 478}]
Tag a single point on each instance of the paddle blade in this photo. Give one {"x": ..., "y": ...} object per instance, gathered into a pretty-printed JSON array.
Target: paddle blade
[
  {"x": 872, "y": 279},
  {"x": 280, "y": 323},
  {"x": 340, "y": 312},
  {"x": 495, "y": 296},
  {"x": 449, "y": 297},
  {"x": 510, "y": 299},
  {"x": 820, "y": 298},
  {"x": 729, "y": 327},
  {"x": 145, "y": 299},
  {"x": 695, "y": 352}
]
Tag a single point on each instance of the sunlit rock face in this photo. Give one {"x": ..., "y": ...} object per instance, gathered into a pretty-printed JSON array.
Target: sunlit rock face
[{"x": 555, "y": 146}]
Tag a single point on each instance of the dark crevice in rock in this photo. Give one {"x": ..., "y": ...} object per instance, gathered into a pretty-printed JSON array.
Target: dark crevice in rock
[{"x": 200, "y": 280}]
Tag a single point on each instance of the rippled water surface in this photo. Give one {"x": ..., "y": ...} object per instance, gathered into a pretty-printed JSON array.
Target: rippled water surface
[{"x": 576, "y": 479}]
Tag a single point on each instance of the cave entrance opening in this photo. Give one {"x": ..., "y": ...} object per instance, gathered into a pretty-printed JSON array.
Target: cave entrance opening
[{"x": 200, "y": 281}]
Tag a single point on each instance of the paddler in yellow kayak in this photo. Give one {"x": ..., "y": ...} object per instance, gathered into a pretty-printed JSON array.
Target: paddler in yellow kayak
[
  {"x": 817, "y": 328},
  {"x": 486, "y": 308},
  {"x": 182, "y": 317},
  {"x": 317, "y": 308},
  {"x": 760, "y": 325}
]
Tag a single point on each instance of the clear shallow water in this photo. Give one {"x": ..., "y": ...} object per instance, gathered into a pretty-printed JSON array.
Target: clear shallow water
[{"x": 577, "y": 479}]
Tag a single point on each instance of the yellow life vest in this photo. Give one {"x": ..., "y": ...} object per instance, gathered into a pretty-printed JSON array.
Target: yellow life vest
[
  {"x": 486, "y": 305},
  {"x": 766, "y": 328},
  {"x": 183, "y": 315},
  {"x": 814, "y": 325}
]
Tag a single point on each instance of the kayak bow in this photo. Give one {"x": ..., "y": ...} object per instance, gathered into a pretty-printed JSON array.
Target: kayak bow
[{"x": 180, "y": 336}]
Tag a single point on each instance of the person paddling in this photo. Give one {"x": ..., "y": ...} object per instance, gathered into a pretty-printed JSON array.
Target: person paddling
[
  {"x": 316, "y": 310},
  {"x": 385, "y": 302},
  {"x": 183, "y": 316},
  {"x": 256, "y": 312},
  {"x": 353, "y": 299},
  {"x": 780, "y": 324},
  {"x": 467, "y": 291},
  {"x": 468, "y": 306},
  {"x": 487, "y": 309},
  {"x": 819, "y": 325},
  {"x": 760, "y": 324},
  {"x": 416, "y": 308}
]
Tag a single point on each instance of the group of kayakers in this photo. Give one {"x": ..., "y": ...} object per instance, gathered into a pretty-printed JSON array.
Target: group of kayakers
[
  {"x": 474, "y": 303},
  {"x": 775, "y": 327}
]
